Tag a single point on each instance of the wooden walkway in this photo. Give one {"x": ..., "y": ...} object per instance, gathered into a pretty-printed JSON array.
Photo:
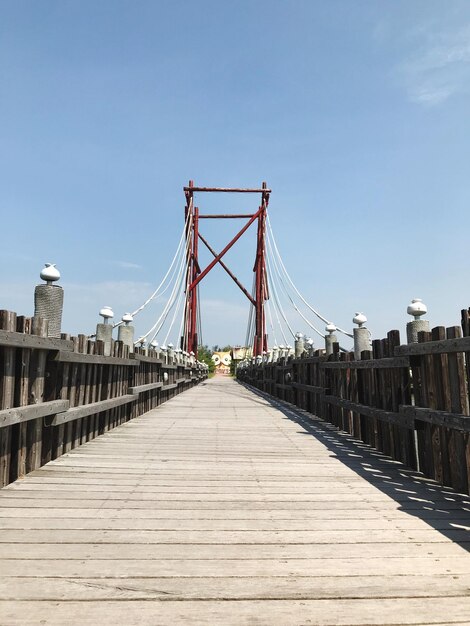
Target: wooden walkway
[{"x": 221, "y": 507}]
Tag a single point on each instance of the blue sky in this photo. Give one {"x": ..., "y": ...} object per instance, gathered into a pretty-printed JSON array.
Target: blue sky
[{"x": 356, "y": 113}]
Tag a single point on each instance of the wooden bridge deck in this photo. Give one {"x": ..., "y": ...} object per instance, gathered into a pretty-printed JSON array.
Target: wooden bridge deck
[{"x": 220, "y": 507}]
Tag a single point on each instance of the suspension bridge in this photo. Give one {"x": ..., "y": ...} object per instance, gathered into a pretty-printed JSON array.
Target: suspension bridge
[
  {"x": 324, "y": 486},
  {"x": 273, "y": 299}
]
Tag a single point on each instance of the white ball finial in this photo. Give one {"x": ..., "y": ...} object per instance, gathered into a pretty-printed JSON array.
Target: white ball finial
[
  {"x": 50, "y": 273},
  {"x": 417, "y": 308},
  {"x": 360, "y": 319},
  {"x": 330, "y": 328},
  {"x": 106, "y": 313},
  {"x": 154, "y": 344},
  {"x": 127, "y": 318}
]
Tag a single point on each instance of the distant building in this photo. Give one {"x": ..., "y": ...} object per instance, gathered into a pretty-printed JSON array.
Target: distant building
[
  {"x": 239, "y": 353},
  {"x": 222, "y": 362}
]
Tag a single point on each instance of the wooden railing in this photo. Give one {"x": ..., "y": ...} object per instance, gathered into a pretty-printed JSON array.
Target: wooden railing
[
  {"x": 409, "y": 401},
  {"x": 56, "y": 394}
]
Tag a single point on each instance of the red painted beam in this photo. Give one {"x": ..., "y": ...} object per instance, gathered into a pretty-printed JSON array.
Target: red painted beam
[
  {"x": 225, "y": 250},
  {"x": 232, "y": 276},
  {"x": 227, "y": 190},
  {"x": 235, "y": 216}
]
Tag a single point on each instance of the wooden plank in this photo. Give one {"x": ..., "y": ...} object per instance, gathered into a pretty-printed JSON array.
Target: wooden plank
[
  {"x": 23, "y": 325},
  {"x": 7, "y": 393},
  {"x": 465, "y": 322},
  {"x": 78, "y": 412},
  {"x": 440, "y": 418},
  {"x": 380, "y": 414},
  {"x": 441, "y": 402},
  {"x": 309, "y": 388},
  {"x": 31, "y": 412},
  {"x": 77, "y": 357},
  {"x": 37, "y": 374},
  {"x": 458, "y": 441},
  {"x": 236, "y": 588},
  {"x": 145, "y": 358},
  {"x": 21, "y": 340},
  {"x": 446, "y": 346},
  {"x": 74, "y": 426},
  {"x": 335, "y": 611},
  {"x": 383, "y": 363}
]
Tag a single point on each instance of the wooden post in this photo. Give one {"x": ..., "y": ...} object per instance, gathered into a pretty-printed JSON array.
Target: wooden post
[
  {"x": 7, "y": 394},
  {"x": 36, "y": 395}
]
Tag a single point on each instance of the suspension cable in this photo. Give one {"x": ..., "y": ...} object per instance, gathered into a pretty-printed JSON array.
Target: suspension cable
[
  {"x": 171, "y": 270},
  {"x": 276, "y": 267},
  {"x": 178, "y": 282},
  {"x": 276, "y": 298},
  {"x": 268, "y": 307},
  {"x": 270, "y": 231},
  {"x": 177, "y": 308},
  {"x": 248, "y": 340}
]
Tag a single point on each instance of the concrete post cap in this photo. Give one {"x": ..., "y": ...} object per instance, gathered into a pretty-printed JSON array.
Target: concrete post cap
[
  {"x": 106, "y": 313},
  {"x": 359, "y": 319},
  {"x": 50, "y": 273},
  {"x": 417, "y": 308}
]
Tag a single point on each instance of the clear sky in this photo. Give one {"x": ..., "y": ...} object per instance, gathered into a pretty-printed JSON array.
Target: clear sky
[{"x": 356, "y": 113}]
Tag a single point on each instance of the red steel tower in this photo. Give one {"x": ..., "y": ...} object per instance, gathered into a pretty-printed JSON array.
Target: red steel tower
[{"x": 194, "y": 274}]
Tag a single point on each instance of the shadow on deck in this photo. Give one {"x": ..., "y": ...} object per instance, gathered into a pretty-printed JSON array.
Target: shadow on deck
[{"x": 440, "y": 507}]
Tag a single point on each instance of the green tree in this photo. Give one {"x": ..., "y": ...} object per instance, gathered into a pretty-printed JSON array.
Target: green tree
[{"x": 204, "y": 354}]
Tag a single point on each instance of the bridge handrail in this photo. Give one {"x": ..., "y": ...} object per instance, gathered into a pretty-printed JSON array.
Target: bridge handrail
[
  {"x": 56, "y": 394},
  {"x": 412, "y": 402}
]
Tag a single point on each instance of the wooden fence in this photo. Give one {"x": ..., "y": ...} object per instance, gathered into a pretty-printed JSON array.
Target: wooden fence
[
  {"x": 409, "y": 401},
  {"x": 56, "y": 394}
]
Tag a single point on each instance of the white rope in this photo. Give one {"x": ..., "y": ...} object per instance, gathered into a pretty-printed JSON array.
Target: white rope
[
  {"x": 173, "y": 297},
  {"x": 295, "y": 288},
  {"x": 173, "y": 263},
  {"x": 268, "y": 307},
  {"x": 276, "y": 299},
  {"x": 250, "y": 331},
  {"x": 180, "y": 332},
  {"x": 178, "y": 283},
  {"x": 177, "y": 308},
  {"x": 314, "y": 328}
]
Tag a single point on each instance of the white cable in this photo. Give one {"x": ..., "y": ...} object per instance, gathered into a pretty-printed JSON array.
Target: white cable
[
  {"x": 171, "y": 301},
  {"x": 270, "y": 252},
  {"x": 174, "y": 295},
  {"x": 249, "y": 327},
  {"x": 268, "y": 306},
  {"x": 277, "y": 302},
  {"x": 177, "y": 308},
  {"x": 157, "y": 290},
  {"x": 180, "y": 332},
  {"x": 295, "y": 288}
]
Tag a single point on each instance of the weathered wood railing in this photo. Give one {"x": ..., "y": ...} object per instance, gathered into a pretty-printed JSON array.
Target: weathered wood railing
[
  {"x": 409, "y": 401},
  {"x": 56, "y": 394}
]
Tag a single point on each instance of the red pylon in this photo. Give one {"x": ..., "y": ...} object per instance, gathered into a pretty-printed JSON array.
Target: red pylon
[{"x": 194, "y": 275}]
